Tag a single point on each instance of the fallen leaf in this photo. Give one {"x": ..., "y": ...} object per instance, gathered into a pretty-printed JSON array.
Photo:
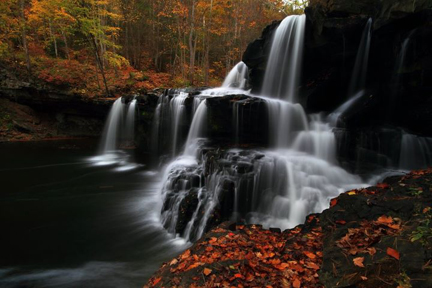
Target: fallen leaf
[
  {"x": 372, "y": 251},
  {"x": 296, "y": 283},
  {"x": 393, "y": 253},
  {"x": 157, "y": 280},
  {"x": 359, "y": 261},
  {"x": 173, "y": 262},
  {"x": 385, "y": 219},
  {"x": 364, "y": 278},
  {"x": 353, "y": 192},
  {"x": 309, "y": 254},
  {"x": 333, "y": 202},
  {"x": 207, "y": 271}
]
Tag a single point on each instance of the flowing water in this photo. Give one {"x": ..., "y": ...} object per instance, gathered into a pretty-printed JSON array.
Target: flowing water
[
  {"x": 68, "y": 223},
  {"x": 284, "y": 65}
]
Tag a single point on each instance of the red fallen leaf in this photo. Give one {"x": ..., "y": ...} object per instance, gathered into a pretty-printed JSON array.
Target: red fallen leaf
[
  {"x": 207, "y": 271},
  {"x": 393, "y": 253},
  {"x": 309, "y": 254},
  {"x": 209, "y": 249},
  {"x": 238, "y": 275},
  {"x": 296, "y": 283},
  {"x": 359, "y": 261},
  {"x": 341, "y": 222},
  {"x": 382, "y": 185},
  {"x": 333, "y": 202},
  {"x": 157, "y": 280}
]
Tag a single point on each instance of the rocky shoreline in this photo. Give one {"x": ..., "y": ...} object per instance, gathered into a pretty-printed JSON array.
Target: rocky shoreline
[{"x": 379, "y": 236}]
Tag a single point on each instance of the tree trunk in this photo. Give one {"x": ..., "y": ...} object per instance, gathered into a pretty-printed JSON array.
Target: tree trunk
[
  {"x": 24, "y": 36},
  {"x": 191, "y": 45},
  {"x": 93, "y": 42}
]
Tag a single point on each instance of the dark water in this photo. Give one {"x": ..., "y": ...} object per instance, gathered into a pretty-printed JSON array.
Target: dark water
[{"x": 66, "y": 222}]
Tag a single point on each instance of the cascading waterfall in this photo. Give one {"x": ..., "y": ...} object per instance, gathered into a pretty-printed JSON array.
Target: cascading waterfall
[
  {"x": 283, "y": 68},
  {"x": 275, "y": 188},
  {"x": 237, "y": 77}
]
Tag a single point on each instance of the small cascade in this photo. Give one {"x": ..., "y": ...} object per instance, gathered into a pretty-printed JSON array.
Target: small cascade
[
  {"x": 284, "y": 65},
  {"x": 358, "y": 78},
  {"x": 237, "y": 77},
  {"x": 130, "y": 123},
  {"x": 415, "y": 153},
  {"x": 333, "y": 118},
  {"x": 197, "y": 130},
  {"x": 285, "y": 119},
  {"x": 173, "y": 115},
  {"x": 178, "y": 110},
  {"x": 119, "y": 132},
  {"x": 112, "y": 128},
  {"x": 319, "y": 140}
]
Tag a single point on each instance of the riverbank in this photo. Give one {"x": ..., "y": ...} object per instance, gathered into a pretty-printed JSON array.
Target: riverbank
[{"x": 379, "y": 236}]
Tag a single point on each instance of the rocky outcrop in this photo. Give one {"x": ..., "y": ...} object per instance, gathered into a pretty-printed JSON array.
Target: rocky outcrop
[{"x": 375, "y": 237}]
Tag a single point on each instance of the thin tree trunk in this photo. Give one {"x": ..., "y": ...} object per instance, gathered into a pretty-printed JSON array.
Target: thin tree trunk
[
  {"x": 66, "y": 45},
  {"x": 99, "y": 63},
  {"x": 192, "y": 47},
  {"x": 24, "y": 37},
  {"x": 53, "y": 38}
]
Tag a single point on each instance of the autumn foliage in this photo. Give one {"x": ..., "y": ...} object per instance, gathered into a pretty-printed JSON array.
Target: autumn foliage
[{"x": 110, "y": 46}]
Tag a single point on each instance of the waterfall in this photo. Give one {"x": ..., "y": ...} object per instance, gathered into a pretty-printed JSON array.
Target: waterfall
[
  {"x": 237, "y": 77},
  {"x": 130, "y": 123},
  {"x": 358, "y": 78},
  {"x": 178, "y": 114},
  {"x": 197, "y": 129},
  {"x": 112, "y": 128},
  {"x": 284, "y": 65},
  {"x": 415, "y": 153},
  {"x": 119, "y": 132}
]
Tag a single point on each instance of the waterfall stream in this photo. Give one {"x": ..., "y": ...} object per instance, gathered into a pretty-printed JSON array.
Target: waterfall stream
[{"x": 208, "y": 181}]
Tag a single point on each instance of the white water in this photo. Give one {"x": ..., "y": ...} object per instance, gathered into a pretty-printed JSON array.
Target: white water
[
  {"x": 237, "y": 77},
  {"x": 112, "y": 127},
  {"x": 130, "y": 122},
  {"x": 177, "y": 115},
  {"x": 197, "y": 130},
  {"x": 284, "y": 65},
  {"x": 416, "y": 152}
]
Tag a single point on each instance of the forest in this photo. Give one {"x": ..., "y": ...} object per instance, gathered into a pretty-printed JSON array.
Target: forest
[{"x": 109, "y": 46}]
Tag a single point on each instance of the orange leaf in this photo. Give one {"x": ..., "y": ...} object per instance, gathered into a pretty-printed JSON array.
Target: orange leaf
[
  {"x": 312, "y": 266},
  {"x": 157, "y": 280},
  {"x": 296, "y": 283},
  {"x": 207, "y": 271},
  {"x": 385, "y": 219},
  {"x": 358, "y": 261},
  {"x": 372, "y": 251},
  {"x": 393, "y": 253},
  {"x": 309, "y": 254},
  {"x": 238, "y": 275},
  {"x": 333, "y": 202}
]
